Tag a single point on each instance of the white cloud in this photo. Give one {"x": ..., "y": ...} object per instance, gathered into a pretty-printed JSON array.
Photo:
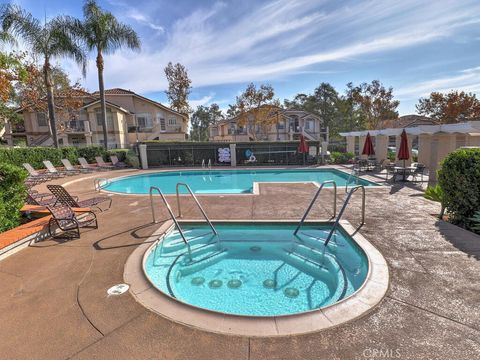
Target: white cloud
[
  {"x": 206, "y": 100},
  {"x": 219, "y": 45},
  {"x": 142, "y": 19}
]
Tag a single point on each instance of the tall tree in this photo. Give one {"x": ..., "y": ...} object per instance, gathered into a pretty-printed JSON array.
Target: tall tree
[
  {"x": 12, "y": 72},
  {"x": 257, "y": 109},
  {"x": 374, "y": 101},
  {"x": 450, "y": 108},
  {"x": 202, "y": 118},
  {"x": 179, "y": 87},
  {"x": 103, "y": 33},
  {"x": 49, "y": 40}
]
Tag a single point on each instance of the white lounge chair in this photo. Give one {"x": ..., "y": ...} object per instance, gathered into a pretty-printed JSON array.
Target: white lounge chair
[
  {"x": 52, "y": 169},
  {"x": 85, "y": 165},
  {"x": 117, "y": 163},
  {"x": 103, "y": 164},
  {"x": 71, "y": 169}
]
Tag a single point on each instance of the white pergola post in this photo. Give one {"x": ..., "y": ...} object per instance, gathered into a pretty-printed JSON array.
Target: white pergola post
[
  {"x": 381, "y": 147},
  {"x": 351, "y": 144},
  {"x": 361, "y": 144},
  {"x": 424, "y": 148}
]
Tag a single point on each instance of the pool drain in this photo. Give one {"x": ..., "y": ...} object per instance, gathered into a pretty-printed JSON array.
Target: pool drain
[
  {"x": 118, "y": 289},
  {"x": 234, "y": 284},
  {"x": 269, "y": 284},
  {"x": 215, "y": 284},
  {"x": 291, "y": 292},
  {"x": 255, "y": 248},
  {"x": 197, "y": 281}
]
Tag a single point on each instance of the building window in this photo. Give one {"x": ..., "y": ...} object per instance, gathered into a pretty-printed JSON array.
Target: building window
[
  {"x": 42, "y": 119},
  {"x": 144, "y": 121},
  {"x": 162, "y": 124},
  {"x": 98, "y": 115},
  {"x": 172, "y": 121}
]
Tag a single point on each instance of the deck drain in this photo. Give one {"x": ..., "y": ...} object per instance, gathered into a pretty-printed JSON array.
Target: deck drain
[
  {"x": 255, "y": 248},
  {"x": 234, "y": 284},
  {"x": 291, "y": 292},
  {"x": 118, "y": 289},
  {"x": 269, "y": 284},
  {"x": 215, "y": 284},
  {"x": 197, "y": 281}
]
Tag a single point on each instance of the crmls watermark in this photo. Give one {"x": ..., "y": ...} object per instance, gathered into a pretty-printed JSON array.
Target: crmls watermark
[{"x": 373, "y": 353}]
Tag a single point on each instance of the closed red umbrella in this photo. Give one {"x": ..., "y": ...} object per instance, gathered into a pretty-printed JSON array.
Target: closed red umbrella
[
  {"x": 368, "y": 146},
  {"x": 303, "y": 147},
  {"x": 403, "y": 152}
]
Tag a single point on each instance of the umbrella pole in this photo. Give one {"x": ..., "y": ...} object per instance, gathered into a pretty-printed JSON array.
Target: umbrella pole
[{"x": 404, "y": 179}]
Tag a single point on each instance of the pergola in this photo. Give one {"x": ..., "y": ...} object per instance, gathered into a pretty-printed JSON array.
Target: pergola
[{"x": 435, "y": 142}]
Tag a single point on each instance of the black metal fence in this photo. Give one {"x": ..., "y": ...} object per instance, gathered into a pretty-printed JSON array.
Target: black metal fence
[{"x": 218, "y": 153}]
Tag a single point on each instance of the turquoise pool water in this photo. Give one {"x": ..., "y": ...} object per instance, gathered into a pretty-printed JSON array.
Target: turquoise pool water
[
  {"x": 224, "y": 181},
  {"x": 257, "y": 269}
]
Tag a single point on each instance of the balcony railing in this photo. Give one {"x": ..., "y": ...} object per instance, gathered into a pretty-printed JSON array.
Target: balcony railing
[{"x": 75, "y": 126}]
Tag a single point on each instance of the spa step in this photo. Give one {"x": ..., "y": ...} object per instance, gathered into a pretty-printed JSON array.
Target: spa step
[{"x": 202, "y": 263}]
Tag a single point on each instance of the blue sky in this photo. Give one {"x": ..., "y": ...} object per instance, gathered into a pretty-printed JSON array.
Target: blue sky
[{"x": 414, "y": 46}]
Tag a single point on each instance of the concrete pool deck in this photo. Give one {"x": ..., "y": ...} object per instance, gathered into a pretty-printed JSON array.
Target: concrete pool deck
[{"x": 54, "y": 305}]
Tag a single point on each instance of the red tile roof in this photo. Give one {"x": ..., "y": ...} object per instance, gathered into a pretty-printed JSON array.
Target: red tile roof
[{"x": 116, "y": 91}]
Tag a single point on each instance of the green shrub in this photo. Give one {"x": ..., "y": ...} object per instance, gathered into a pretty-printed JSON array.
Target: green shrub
[
  {"x": 70, "y": 153},
  {"x": 459, "y": 178},
  {"x": 476, "y": 222},
  {"x": 31, "y": 155},
  {"x": 12, "y": 195},
  {"x": 127, "y": 156},
  {"x": 341, "y": 158},
  {"x": 90, "y": 152},
  {"x": 435, "y": 193}
]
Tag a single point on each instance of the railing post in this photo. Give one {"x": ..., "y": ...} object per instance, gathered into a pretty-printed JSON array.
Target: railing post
[{"x": 233, "y": 155}]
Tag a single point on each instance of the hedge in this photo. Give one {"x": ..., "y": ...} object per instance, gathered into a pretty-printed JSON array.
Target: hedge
[
  {"x": 35, "y": 155},
  {"x": 459, "y": 178},
  {"x": 12, "y": 195}
]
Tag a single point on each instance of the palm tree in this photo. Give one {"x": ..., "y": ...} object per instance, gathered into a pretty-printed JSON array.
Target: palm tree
[
  {"x": 103, "y": 33},
  {"x": 52, "y": 39}
]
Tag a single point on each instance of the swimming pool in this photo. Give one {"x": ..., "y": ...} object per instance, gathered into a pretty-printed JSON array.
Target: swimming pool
[
  {"x": 225, "y": 181},
  {"x": 257, "y": 269}
]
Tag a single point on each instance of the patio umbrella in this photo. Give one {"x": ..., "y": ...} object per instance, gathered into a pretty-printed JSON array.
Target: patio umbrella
[
  {"x": 403, "y": 152},
  {"x": 368, "y": 146},
  {"x": 303, "y": 147}
]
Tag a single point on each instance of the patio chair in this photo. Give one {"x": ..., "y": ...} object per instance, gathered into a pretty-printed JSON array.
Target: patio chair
[
  {"x": 64, "y": 197},
  {"x": 85, "y": 165},
  {"x": 41, "y": 199},
  {"x": 34, "y": 175},
  {"x": 117, "y": 163},
  {"x": 52, "y": 169},
  {"x": 73, "y": 170},
  {"x": 362, "y": 165},
  {"x": 102, "y": 164},
  {"x": 418, "y": 172},
  {"x": 67, "y": 220}
]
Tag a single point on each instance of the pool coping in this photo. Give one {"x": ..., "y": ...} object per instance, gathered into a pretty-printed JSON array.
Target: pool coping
[
  {"x": 255, "y": 184},
  {"x": 361, "y": 302}
]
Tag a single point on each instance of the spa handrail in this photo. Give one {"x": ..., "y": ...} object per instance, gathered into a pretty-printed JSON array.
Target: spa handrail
[
  {"x": 196, "y": 201},
  {"x": 342, "y": 210},
  {"x": 315, "y": 199},
  {"x": 172, "y": 215}
]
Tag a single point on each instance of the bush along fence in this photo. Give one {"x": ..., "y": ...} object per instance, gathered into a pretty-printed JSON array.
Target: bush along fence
[
  {"x": 12, "y": 195},
  {"x": 35, "y": 155},
  {"x": 158, "y": 154}
]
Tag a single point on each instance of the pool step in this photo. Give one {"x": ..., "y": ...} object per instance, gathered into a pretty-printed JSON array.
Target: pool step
[{"x": 199, "y": 264}]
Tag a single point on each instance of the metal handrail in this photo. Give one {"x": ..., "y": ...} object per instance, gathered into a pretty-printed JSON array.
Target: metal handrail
[
  {"x": 172, "y": 215},
  {"x": 315, "y": 199},
  {"x": 97, "y": 181},
  {"x": 345, "y": 203},
  {"x": 196, "y": 201},
  {"x": 356, "y": 174}
]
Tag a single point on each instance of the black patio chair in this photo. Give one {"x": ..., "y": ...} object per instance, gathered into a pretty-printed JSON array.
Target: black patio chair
[
  {"x": 66, "y": 220},
  {"x": 41, "y": 199},
  {"x": 418, "y": 172},
  {"x": 64, "y": 197}
]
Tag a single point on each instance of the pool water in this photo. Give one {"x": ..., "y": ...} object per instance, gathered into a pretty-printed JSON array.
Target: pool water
[
  {"x": 257, "y": 269},
  {"x": 225, "y": 181}
]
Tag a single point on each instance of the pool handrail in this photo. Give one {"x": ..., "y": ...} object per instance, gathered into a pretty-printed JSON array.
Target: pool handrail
[
  {"x": 315, "y": 199},
  {"x": 172, "y": 215},
  {"x": 196, "y": 201},
  {"x": 97, "y": 183},
  {"x": 342, "y": 210}
]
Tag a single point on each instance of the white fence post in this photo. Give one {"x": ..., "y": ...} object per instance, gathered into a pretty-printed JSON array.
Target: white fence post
[
  {"x": 143, "y": 156},
  {"x": 233, "y": 154}
]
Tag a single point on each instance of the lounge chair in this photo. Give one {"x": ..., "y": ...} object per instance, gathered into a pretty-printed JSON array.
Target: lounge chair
[
  {"x": 35, "y": 176},
  {"x": 117, "y": 163},
  {"x": 102, "y": 164},
  {"x": 417, "y": 172},
  {"x": 85, "y": 165},
  {"x": 41, "y": 199},
  {"x": 73, "y": 170},
  {"x": 65, "y": 198},
  {"x": 67, "y": 220},
  {"x": 52, "y": 169}
]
